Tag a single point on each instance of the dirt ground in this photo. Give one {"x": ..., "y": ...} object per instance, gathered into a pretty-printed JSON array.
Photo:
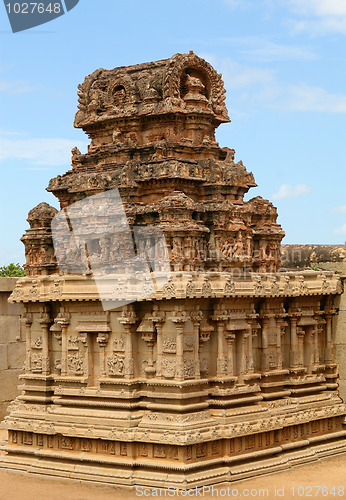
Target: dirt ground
[{"x": 300, "y": 482}]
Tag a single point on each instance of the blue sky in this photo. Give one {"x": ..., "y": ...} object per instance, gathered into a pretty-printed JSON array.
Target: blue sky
[{"x": 283, "y": 63}]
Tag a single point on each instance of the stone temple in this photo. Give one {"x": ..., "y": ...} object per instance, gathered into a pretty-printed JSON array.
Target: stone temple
[{"x": 226, "y": 371}]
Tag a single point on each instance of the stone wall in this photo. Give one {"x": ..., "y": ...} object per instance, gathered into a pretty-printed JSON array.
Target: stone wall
[
  {"x": 329, "y": 258},
  {"x": 12, "y": 345}
]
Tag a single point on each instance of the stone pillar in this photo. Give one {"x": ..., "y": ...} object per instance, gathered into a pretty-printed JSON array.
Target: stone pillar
[
  {"x": 102, "y": 340},
  {"x": 45, "y": 322},
  {"x": 179, "y": 318},
  {"x": 294, "y": 343},
  {"x": 310, "y": 346},
  {"x": 328, "y": 353},
  {"x": 27, "y": 319},
  {"x": 300, "y": 335},
  {"x": 196, "y": 317},
  {"x": 128, "y": 318},
  {"x": 159, "y": 350},
  {"x": 158, "y": 319},
  {"x": 242, "y": 365},
  {"x": 63, "y": 321},
  {"x": 265, "y": 360},
  {"x": 230, "y": 338},
  {"x": 221, "y": 365}
]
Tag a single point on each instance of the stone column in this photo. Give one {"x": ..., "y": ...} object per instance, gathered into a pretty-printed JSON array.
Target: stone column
[
  {"x": 242, "y": 365},
  {"x": 328, "y": 353},
  {"x": 310, "y": 341},
  {"x": 128, "y": 318},
  {"x": 196, "y": 317},
  {"x": 158, "y": 319},
  {"x": 102, "y": 340},
  {"x": 252, "y": 333},
  {"x": 27, "y": 319},
  {"x": 318, "y": 331},
  {"x": 63, "y": 320},
  {"x": 159, "y": 350},
  {"x": 294, "y": 343},
  {"x": 300, "y": 335},
  {"x": 221, "y": 365},
  {"x": 265, "y": 361},
  {"x": 179, "y": 318},
  {"x": 45, "y": 322},
  {"x": 230, "y": 338}
]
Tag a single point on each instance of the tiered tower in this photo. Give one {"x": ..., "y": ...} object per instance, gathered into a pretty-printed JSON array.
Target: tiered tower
[{"x": 225, "y": 371}]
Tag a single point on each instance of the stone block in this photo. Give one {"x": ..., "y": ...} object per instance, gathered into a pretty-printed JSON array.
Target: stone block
[
  {"x": 9, "y": 385},
  {"x": 3, "y": 357},
  {"x": 10, "y": 329},
  {"x": 16, "y": 355},
  {"x": 4, "y": 305},
  {"x": 342, "y": 390},
  {"x": 7, "y": 284},
  {"x": 3, "y": 410}
]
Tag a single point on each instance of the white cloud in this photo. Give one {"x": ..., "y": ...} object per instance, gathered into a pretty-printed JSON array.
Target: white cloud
[
  {"x": 240, "y": 76},
  {"x": 17, "y": 87},
  {"x": 319, "y": 16},
  {"x": 340, "y": 230},
  {"x": 48, "y": 152},
  {"x": 340, "y": 210},
  {"x": 287, "y": 191},
  {"x": 322, "y": 8},
  {"x": 307, "y": 98},
  {"x": 262, "y": 49}
]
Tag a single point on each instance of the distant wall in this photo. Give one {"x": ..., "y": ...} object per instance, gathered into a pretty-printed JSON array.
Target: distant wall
[{"x": 12, "y": 345}]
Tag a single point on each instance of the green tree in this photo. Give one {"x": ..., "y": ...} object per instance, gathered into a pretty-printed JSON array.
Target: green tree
[{"x": 12, "y": 270}]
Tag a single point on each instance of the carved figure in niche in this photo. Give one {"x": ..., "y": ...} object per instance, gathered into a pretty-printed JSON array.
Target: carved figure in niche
[
  {"x": 76, "y": 154},
  {"x": 85, "y": 445},
  {"x": 230, "y": 286},
  {"x": 159, "y": 451},
  {"x": 206, "y": 288},
  {"x": 189, "y": 343},
  {"x": 36, "y": 362},
  {"x": 195, "y": 90},
  {"x": 116, "y": 137},
  {"x": 37, "y": 344},
  {"x": 227, "y": 249},
  {"x": 169, "y": 344},
  {"x": 187, "y": 252},
  {"x": 189, "y": 368},
  {"x": 116, "y": 364},
  {"x": 190, "y": 289},
  {"x": 204, "y": 365},
  {"x": 238, "y": 248},
  {"x": 118, "y": 344},
  {"x": 168, "y": 367},
  {"x": 75, "y": 363},
  {"x": 258, "y": 284},
  {"x": 94, "y": 105},
  {"x": 72, "y": 343},
  {"x": 275, "y": 286}
]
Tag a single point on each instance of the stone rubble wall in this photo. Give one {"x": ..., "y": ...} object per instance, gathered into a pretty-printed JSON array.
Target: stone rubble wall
[{"x": 12, "y": 345}]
